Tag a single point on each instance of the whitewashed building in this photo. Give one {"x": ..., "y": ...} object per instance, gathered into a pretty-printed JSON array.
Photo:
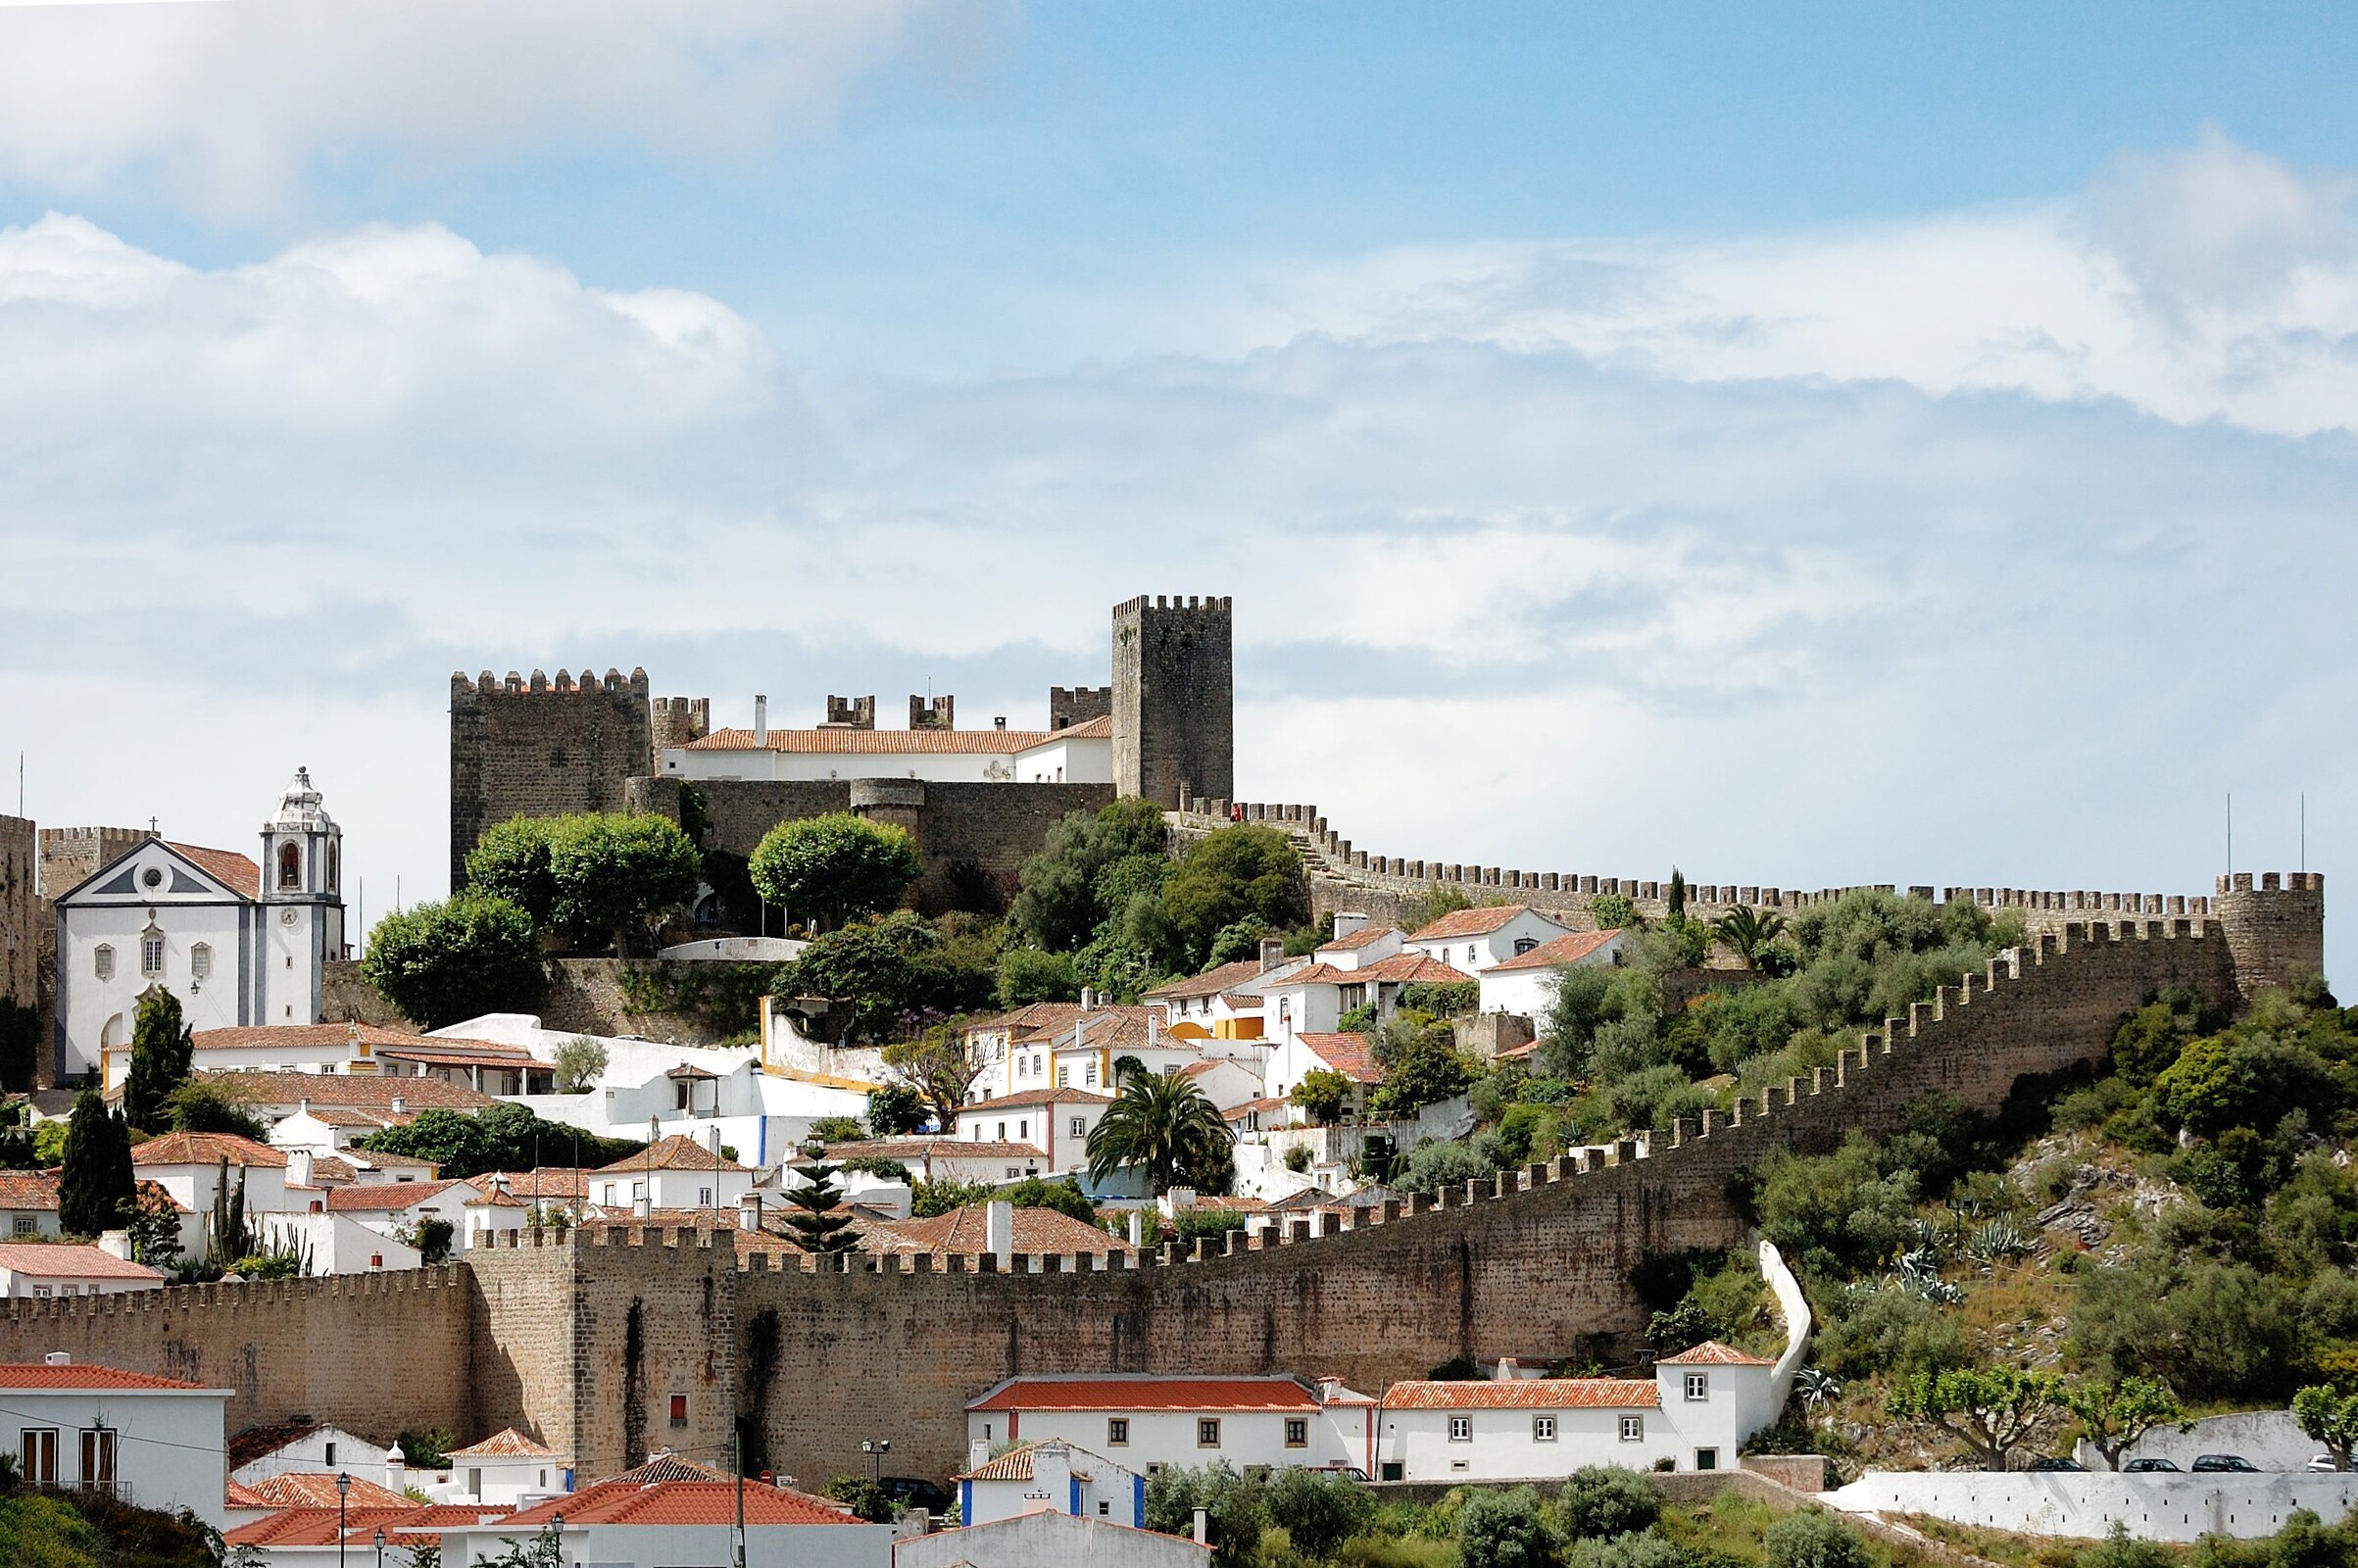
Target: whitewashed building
[
  {"x": 42, "y": 1270},
  {"x": 149, "y": 1440},
  {"x": 1695, "y": 1412},
  {"x": 1147, "y": 1422},
  {"x": 1052, "y": 1477},
  {"x": 238, "y": 944},
  {"x": 1526, "y": 983},
  {"x": 935, "y": 752},
  {"x": 1472, "y": 940},
  {"x": 1056, "y": 1121}
]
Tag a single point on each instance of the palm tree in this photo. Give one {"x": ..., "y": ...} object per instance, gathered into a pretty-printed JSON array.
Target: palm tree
[
  {"x": 1749, "y": 932},
  {"x": 1159, "y": 1120}
]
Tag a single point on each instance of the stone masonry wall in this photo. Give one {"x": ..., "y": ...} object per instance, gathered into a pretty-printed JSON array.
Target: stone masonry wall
[
  {"x": 1532, "y": 1265},
  {"x": 1174, "y": 716},
  {"x": 585, "y": 996},
  {"x": 541, "y": 748},
  {"x": 20, "y": 906}
]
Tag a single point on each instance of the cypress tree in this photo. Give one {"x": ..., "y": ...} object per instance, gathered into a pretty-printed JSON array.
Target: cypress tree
[
  {"x": 815, "y": 1222},
  {"x": 96, "y": 1188},
  {"x": 162, "y": 1052}
]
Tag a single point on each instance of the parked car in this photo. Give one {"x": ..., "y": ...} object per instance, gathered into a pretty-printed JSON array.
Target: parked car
[
  {"x": 2323, "y": 1462},
  {"x": 2146, "y": 1467},
  {"x": 2057, "y": 1464},
  {"x": 915, "y": 1492},
  {"x": 2235, "y": 1463}
]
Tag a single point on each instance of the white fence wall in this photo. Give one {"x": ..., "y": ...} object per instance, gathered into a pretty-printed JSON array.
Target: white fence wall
[
  {"x": 2269, "y": 1439},
  {"x": 2156, "y": 1508}
]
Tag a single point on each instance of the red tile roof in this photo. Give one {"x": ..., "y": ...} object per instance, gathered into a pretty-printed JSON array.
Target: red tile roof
[
  {"x": 887, "y": 742},
  {"x": 507, "y": 1443},
  {"x": 545, "y": 1181},
  {"x": 207, "y": 1149},
  {"x": 384, "y": 1198},
  {"x": 961, "y": 1230},
  {"x": 372, "y": 1092},
  {"x": 1318, "y": 974},
  {"x": 1563, "y": 950},
  {"x": 1211, "y": 983},
  {"x": 27, "y": 1188},
  {"x": 684, "y": 1502},
  {"x": 1527, "y": 1394},
  {"x": 239, "y": 1496},
  {"x": 1413, "y": 968},
  {"x": 227, "y": 867},
  {"x": 243, "y": 1037},
  {"x": 1145, "y": 1393},
  {"x": 259, "y": 1442},
  {"x": 675, "y": 1152},
  {"x": 73, "y": 1261},
  {"x": 315, "y": 1526},
  {"x": 83, "y": 1375},
  {"x": 1347, "y": 1055},
  {"x": 316, "y": 1489},
  {"x": 1469, "y": 922},
  {"x": 1013, "y": 1465},
  {"x": 664, "y": 1467},
  {"x": 1713, "y": 1354},
  {"x": 1038, "y": 1096},
  {"x": 906, "y": 1149},
  {"x": 1366, "y": 936}
]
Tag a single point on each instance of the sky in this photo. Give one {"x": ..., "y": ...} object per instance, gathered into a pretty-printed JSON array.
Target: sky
[{"x": 1804, "y": 445}]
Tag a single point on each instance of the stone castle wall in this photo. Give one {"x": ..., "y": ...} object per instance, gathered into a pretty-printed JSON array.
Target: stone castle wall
[
  {"x": 541, "y": 748},
  {"x": 585, "y": 996},
  {"x": 1174, "y": 709},
  {"x": 584, "y": 1343},
  {"x": 19, "y": 912}
]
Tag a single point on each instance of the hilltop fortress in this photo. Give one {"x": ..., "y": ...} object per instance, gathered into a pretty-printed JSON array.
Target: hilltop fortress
[{"x": 587, "y": 1340}]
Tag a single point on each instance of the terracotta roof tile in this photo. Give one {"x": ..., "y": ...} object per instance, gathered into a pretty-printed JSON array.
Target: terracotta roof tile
[
  {"x": 1347, "y": 1054},
  {"x": 1413, "y": 968},
  {"x": 245, "y": 1037},
  {"x": 1013, "y": 1465},
  {"x": 675, "y": 1152},
  {"x": 1469, "y": 922},
  {"x": 371, "y": 1091},
  {"x": 229, "y": 866},
  {"x": 316, "y": 1489},
  {"x": 1527, "y": 1394},
  {"x": 1211, "y": 983},
  {"x": 507, "y": 1443},
  {"x": 1365, "y": 937},
  {"x": 315, "y": 1526},
  {"x": 72, "y": 1260},
  {"x": 1548, "y": 954},
  {"x": 961, "y": 1230},
  {"x": 1713, "y": 1354},
  {"x": 238, "y": 1494},
  {"x": 385, "y": 1197},
  {"x": 684, "y": 1502},
  {"x": 1037, "y": 1097},
  {"x": 82, "y": 1375},
  {"x": 545, "y": 1181},
  {"x": 906, "y": 1149},
  {"x": 207, "y": 1149},
  {"x": 1317, "y": 974},
  {"x": 27, "y": 1188},
  {"x": 662, "y": 1467},
  {"x": 1145, "y": 1393}
]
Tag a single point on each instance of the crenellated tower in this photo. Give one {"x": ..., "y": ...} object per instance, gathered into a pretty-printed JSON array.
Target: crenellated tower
[{"x": 1174, "y": 725}]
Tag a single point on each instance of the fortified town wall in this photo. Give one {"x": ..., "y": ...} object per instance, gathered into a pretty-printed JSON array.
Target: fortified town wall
[{"x": 585, "y": 1340}]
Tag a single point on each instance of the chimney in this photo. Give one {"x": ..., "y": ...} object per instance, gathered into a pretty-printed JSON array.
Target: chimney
[
  {"x": 978, "y": 1454},
  {"x": 1138, "y": 1227},
  {"x": 642, "y": 1206},
  {"x": 1203, "y": 1528},
  {"x": 298, "y": 1168},
  {"x": 303, "y": 1107},
  {"x": 58, "y": 1358},
  {"x": 401, "y": 1105},
  {"x": 1000, "y": 723},
  {"x": 1346, "y": 923},
  {"x": 1088, "y": 998},
  {"x": 1273, "y": 953},
  {"x": 712, "y": 1143},
  {"x": 760, "y": 721},
  {"x": 998, "y": 1231},
  {"x": 115, "y": 1244},
  {"x": 397, "y": 1466},
  {"x": 748, "y": 1211},
  {"x": 1506, "y": 1369}
]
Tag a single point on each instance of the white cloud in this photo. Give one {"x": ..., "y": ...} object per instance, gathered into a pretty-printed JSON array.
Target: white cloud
[
  {"x": 227, "y": 106},
  {"x": 1597, "y": 593}
]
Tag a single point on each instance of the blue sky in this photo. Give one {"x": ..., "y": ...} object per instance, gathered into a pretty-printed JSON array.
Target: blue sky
[{"x": 1808, "y": 444}]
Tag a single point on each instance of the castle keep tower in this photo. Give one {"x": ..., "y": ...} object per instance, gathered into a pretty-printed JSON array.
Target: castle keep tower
[
  {"x": 1174, "y": 726},
  {"x": 544, "y": 747}
]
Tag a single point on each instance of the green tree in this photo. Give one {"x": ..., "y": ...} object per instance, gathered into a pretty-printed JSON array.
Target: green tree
[
  {"x": 828, "y": 869},
  {"x": 1324, "y": 1094},
  {"x": 1506, "y": 1530},
  {"x": 1233, "y": 874},
  {"x": 1233, "y": 944},
  {"x": 895, "y": 1110},
  {"x": 155, "y": 1227},
  {"x": 1748, "y": 933},
  {"x": 443, "y": 962},
  {"x": 162, "y": 1052},
  {"x": 433, "y": 1238},
  {"x": 865, "y": 1498},
  {"x": 1580, "y": 1007},
  {"x": 1163, "y": 1123},
  {"x": 2116, "y": 1414},
  {"x": 2326, "y": 1415},
  {"x": 578, "y": 1063},
  {"x": 615, "y": 873},
  {"x": 1058, "y": 904},
  {"x": 1814, "y": 1538},
  {"x": 1235, "y": 1508},
  {"x": 1615, "y": 911},
  {"x": 1435, "y": 1164},
  {"x": 817, "y": 1221},
  {"x": 501, "y": 1137},
  {"x": 1063, "y": 1195},
  {"x": 1607, "y": 1500},
  {"x": 1027, "y": 975},
  {"x": 1991, "y": 1411},
  {"x": 1674, "y": 899},
  {"x": 203, "y": 1106},
  {"x": 929, "y": 1198},
  {"x": 95, "y": 1185},
  {"x": 1317, "y": 1509},
  {"x": 1428, "y": 1071},
  {"x": 938, "y": 1065},
  {"x": 893, "y": 972},
  {"x": 511, "y": 862}
]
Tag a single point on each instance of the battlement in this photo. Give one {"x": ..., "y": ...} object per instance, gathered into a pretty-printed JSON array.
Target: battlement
[
  {"x": 1209, "y": 604},
  {"x": 1069, "y": 705},
  {"x": 938, "y": 713},
  {"x": 1174, "y": 697},
  {"x": 850, "y": 712},
  {"x": 539, "y": 684}
]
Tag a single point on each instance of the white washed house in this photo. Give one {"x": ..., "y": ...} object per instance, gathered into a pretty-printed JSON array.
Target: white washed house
[
  {"x": 42, "y": 1270},
  {"x": 150, "y": 1440},
  {"x": 1695, "y": 1412},
  {"x": 1472, "y": 940},
  {"x": 1526, "y": 983},
  {"x": 1053, "y": 1477},
  {"x": 1058, "y": 1121},
  {"x": 1148, "y": 1422}
]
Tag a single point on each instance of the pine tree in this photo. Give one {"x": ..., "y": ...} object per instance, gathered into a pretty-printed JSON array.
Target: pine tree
[
  {"x": 162, "y": 1052},
  {"x": 816, "y": 1223},
  {"x": 95, "y": 1188}
]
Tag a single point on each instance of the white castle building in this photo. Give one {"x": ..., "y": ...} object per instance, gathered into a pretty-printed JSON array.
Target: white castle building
[{"x": 239, "y": 944}]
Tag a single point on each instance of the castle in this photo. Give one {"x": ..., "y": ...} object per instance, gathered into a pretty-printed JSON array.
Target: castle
[
  {"x": 978, "y": 801},
  {"x": 632, "y": 1338}
]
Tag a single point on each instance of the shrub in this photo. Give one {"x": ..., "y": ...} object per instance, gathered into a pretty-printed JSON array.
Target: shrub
[
  {"x": 830, "y": 868},
  {"x": 443, "y": 962},
  {"x": 1812, "y": 1538},
  {"x": 1027, "y": 975},
  {"x": 1506, "y": 1530},
  {"x": 1318, "y": 1510},
  {"x": 1436, "y": 1164},
  {"x": 1236, "y": 874},
  {"x": 1605, "y": 1500}
]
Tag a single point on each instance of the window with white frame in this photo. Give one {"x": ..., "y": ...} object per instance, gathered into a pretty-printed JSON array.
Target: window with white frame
[
  {"x": 102, "y": 961},
  {"x": 1117, "y": 1430},
  {"x": 1297, "y": 1432},
  {"x": 1064, "y": 1075},
  {"x": 151, "y": 953},
  {"x": 704, "y": 1197},
  {"x": 1707, "y": 1458},
  {"x": 1698, "y": 1387},
  {"x": 1524, "y": 945},
  {"x": 1207, "y": 1433},
  {"x": 200, "y": 962},
  {"x": 1077, "y": 1127},
  {"x": 1632, "y": 1429},
  {"x": 1462, "y": 1429},
  {"x": 1088, "y": 1074},
  {"x": 1543, "y": 1429}
]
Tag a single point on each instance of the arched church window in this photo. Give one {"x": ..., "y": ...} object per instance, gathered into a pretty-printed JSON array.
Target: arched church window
[
  {"x": 290, "y": 865},
  {"x": 102, "y": 961},
  {"x": 332, "y": 857},
  {"x": 151, "y": 952}
]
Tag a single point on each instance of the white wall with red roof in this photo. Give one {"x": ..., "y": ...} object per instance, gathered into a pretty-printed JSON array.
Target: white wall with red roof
[
  {"x": 1145, "y": 1422},
  {"x": 155, "y": 1441}
]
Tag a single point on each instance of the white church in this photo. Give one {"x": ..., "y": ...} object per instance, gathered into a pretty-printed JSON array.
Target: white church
[{"x": 241, "y": 945}]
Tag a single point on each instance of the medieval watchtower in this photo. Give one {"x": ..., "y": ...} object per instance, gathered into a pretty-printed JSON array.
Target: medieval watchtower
[
  {"x": 1174, "y": 727},
  {"x": 542, "y": 748}
]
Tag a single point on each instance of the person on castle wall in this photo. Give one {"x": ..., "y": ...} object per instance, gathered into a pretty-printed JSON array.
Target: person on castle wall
[{"x": 1236, "y": 813}]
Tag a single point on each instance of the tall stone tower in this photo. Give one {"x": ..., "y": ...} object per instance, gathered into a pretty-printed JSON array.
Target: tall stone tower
[
  {"x": 1174, "y": 690},
  {"x": 542, "y": 748}
]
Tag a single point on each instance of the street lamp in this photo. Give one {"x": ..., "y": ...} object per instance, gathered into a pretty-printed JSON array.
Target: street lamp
[
  {"x": 876, "y": 1448},
  {"x": 557, "y": 1524},
  {"x": 343, "y": 1491},
  {"x": 380, "y": 1547}
]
